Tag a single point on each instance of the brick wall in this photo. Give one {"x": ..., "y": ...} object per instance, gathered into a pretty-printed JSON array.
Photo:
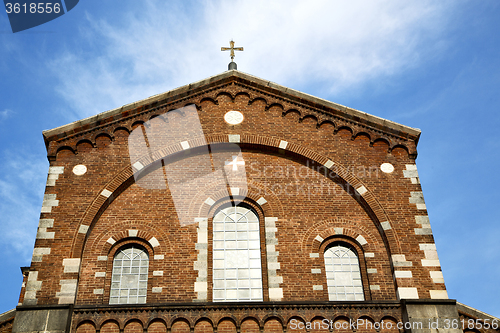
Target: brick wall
[{"x": 313, "y": 175}]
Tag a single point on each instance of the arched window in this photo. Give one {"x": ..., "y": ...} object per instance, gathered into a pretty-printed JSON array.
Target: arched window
[
  {"x": 237, "y": 273},
  {"x": 343, "y": 276},
  {"x": 129, "y": 282}
]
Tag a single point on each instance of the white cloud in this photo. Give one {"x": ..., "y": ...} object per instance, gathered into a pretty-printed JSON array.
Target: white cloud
[
  {"x": 335, "y": 44},
  {"x": 21, "y": 191},
  {"x": 6, "y": 113}
]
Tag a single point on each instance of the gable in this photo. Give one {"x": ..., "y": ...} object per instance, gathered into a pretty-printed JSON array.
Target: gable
[{"x": 236, "y": 90}]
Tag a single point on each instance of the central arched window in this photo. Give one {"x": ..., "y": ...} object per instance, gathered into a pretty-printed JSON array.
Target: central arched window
[
  {"x": 237, "y": 273},
  {"x": 129, "y": 282},
  {"x": 343, "y": 276}
]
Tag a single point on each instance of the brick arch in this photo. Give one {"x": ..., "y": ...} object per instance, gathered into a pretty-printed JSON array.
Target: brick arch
[
  {"x": 179, "y": 318},
  {"x": 125, "y": 178},
  {"x": 260, "y": 323},
  {"x": 273, "y": 316},
  {"x": 326, "y": 229},
  {"x": 253, "y": 193},
  {"x": 101, "y": 245}
]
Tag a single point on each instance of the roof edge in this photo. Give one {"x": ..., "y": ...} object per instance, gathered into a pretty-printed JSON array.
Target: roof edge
[
  {"x": 355, "y": 114},
  {"x": 475, "y": 312}
]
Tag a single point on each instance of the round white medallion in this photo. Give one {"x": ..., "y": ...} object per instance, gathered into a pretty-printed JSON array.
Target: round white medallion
[
  {"x": 387, "y": 167},
  {"x": 79, "y": 169},
  {"x": 233, "y": 117}
]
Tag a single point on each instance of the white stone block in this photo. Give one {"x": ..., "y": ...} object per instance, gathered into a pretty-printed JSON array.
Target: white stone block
[
  {"x": 209, "y": 201},
  {"x": 329, "y": 164},
  {"x": 106, "y": 193},
  {"x": 361, "y": 240},
  {"x": 410, "y": 173},
  {"x": 427, "y": 247},
  {"x": 83, "y": 229},
  {"x": 156, "y": 290},
  {"x": 71, "y": 265},
  {"x": 313, "y": 255},
  {"x": 261, "y": 201},
  {"x": 66, "y": 300},
  {"x": 202, "y": 236},
  {"x": 437, "y": 277},
  {"x": 275, "y": 294},
  {"x": 37, "y": 251},
  {"x": 102, "y": 258},
  {"x": 185, "y": 145},
  {"x": 46, "y": 209},
  {"x": 318, "y": 287},
  {"x": 415, "y": 180},
  {"x": 316, "y": 271},
  {"x": 111, "y": 240},
  {"x": 32, "y": 276},
  {"x": 431, "y": 254},
  {"x": 159, "y": 257},
  {"x": 42, "y": 234},
  {"x": 273, "y": 265},
  {"x": 157, "y": 273},
  {"x": 275, "y": 279},
  {"x": 386, "y": 225},
  {"x": 403, "y": 274},
  {"x": 361, "y": 190},
  {"x": 283, "y": 144},
  {"x": 398, "y": 257},
  {"x": 200, "y": 286},
  {"x": 438, "y": 294},
  {"x": 430, "y": 263},
  {"x": 411, "y": 167},
  {"x": 319, "y": 238},
  {"x": 98, "y": 291},
  {"x": 138, "y": 165},
  {"x": 423, "y": 231},
  {"x": 371, "y": 270},
  {"x": 374, "y": 287},
  {"x": 369, "y": 255},
  {"x": 100, "y": 274},
  {"x": 133, "y": 232},
  {"x": 235, "y": 191},
  {"x": 56, "y": 170},
  {"x": 46, "y": 223},
  {"x": 417, "y": 197},
  {"x": 338, "y": 231},
  {"x": 234, "y": 138},
  {"x": 421, "y": 206},
  {"x": 407, "y": 293},
  {"x": 154, "y": 242}
]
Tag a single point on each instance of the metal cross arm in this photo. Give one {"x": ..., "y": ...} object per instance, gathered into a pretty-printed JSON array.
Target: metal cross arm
[{"x": 232, "y": 49}]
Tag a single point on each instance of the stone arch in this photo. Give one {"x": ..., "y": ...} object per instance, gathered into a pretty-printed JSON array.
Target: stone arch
[{"x": 351, "y": 184}]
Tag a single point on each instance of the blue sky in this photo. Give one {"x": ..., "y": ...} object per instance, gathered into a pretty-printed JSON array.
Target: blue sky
[{"x": 433, "y": 65}]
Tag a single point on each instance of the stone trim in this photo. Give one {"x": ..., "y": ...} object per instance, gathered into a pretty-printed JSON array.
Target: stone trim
[
  {"x": 67, "y": 292},
  {"x": 49, "y": 201},
  {"x": 71, "y": 265},
  {"x": 412, "y": 173},
  {"x": 274, "y": 280},
  {"x": 42, "y": 233},
  {"x": 38, "y": 253},
  {"x": 407, "y": 293},
  {"x": 53, "y": 175},
  {"x": 201, "y": 263},
  {"x": 399, "y": 260},
  {"x": 32, "y": 286}
]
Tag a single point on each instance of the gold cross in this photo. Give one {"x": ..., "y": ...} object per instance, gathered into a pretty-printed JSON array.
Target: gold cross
[{"x": 232, "y": 49}]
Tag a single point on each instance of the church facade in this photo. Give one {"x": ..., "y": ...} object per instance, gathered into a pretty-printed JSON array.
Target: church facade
[{"x": 234, "y": 204}]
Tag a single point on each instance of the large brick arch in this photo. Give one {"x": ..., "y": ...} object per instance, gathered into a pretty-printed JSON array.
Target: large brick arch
[{"x": 125, "y": 178}]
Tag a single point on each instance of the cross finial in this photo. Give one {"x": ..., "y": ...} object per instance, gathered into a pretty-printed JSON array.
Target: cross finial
[{"x": 232, "y": 49}]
